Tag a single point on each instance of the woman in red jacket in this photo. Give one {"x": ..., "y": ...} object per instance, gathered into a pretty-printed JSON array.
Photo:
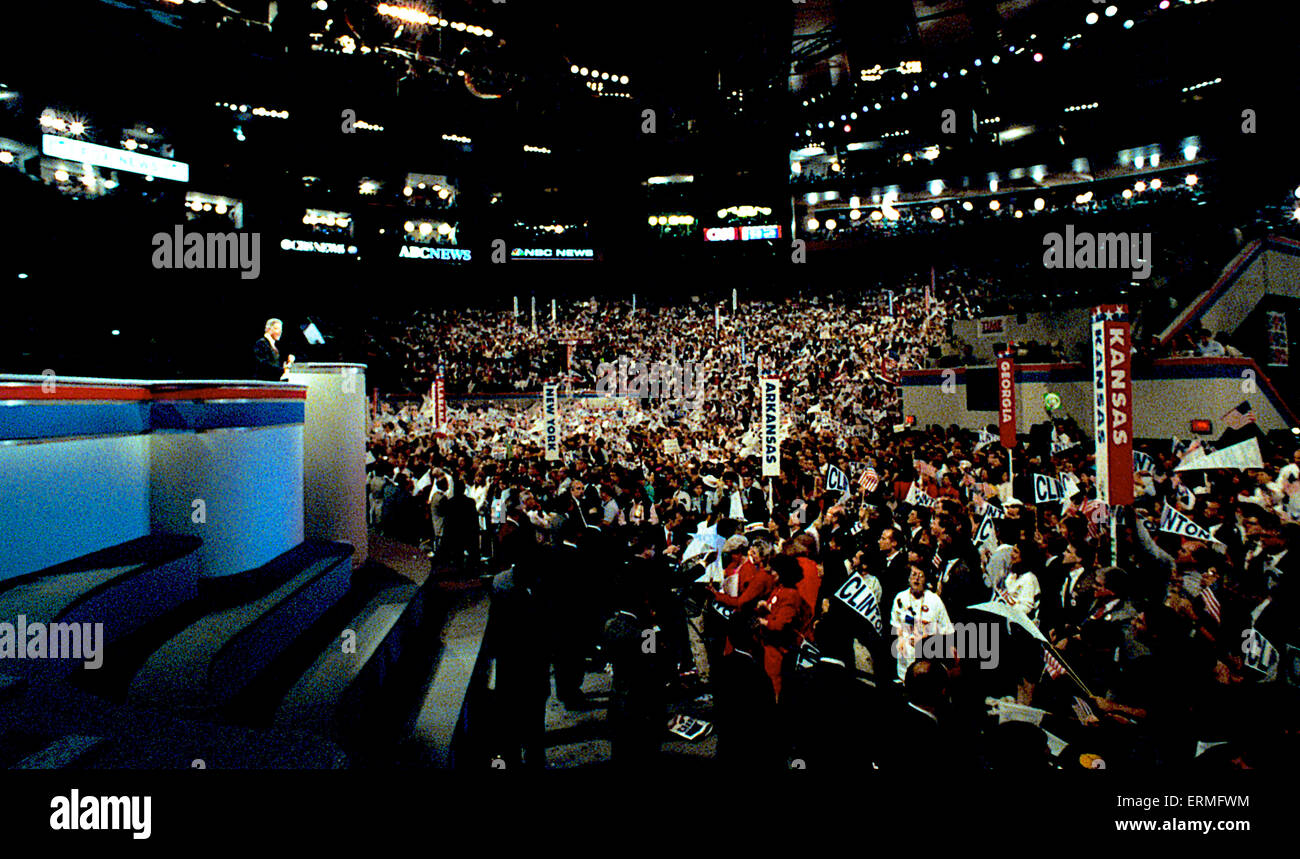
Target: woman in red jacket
[
  {"x": 802, "y": 549},
  {"x": 781, "y": 616},
  {"x": 753, "y": 580}
]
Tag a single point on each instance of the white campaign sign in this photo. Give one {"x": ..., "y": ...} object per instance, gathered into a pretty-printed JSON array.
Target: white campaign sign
[
  {"x": 1241, "y": 455},
  {"x": 769, "y": 392},
  {"x": 1173, "y": 522},
  {"x": 917, "y": 498},
  {"x": 1046, "y": 489},
  {"x": 551, "y": 419},
  {"x": 856, "y": 595},
  {"x": 985, "y": 534}
]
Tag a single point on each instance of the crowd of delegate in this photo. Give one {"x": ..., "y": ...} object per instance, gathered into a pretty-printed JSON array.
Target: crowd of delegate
[{"x": 823, "y": 617}]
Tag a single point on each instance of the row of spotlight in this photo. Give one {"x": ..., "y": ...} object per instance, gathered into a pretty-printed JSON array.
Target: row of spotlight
[
  {"x": 1090, "y": 18},
  {"x": 219, "y": 208},
  {"x": 425, "y": 228},
  {"x": 671, "y": 220},
  {"x": 583, "y": 71},
  {"x": 938, "y": 213},
  {"x": 443, "y": 193},
  {"x": 1190, "y": 152},
  {"x": 419, "y": 17}
]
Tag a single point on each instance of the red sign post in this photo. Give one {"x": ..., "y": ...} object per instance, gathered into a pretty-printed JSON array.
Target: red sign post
[
  {"x": 1117, "y": 393},
  {"x": 1007, "y": 400}
]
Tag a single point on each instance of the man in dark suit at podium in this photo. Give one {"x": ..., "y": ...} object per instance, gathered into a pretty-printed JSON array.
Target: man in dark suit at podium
[{"x": 271, "y": 367}]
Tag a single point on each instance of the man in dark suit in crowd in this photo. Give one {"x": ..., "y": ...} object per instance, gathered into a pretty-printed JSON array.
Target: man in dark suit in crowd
[
  {"x": 516, "y": 627},
  {"x": 1276, "y": 559},
  {"x": 270, "y": 365},
  {"x": 637, "y": 703},
  {"x": 831, "y": 717},
  {"x": 923, "y": 738},
  {"x": 571, "y": 602},
  {"x": 744, "y": 704},
  {"x": 459, "y": 528},
  {"x": 958, "y": 585},
  {"x": 1052, "y": 575},
  {"x": 893, "y": 577},
  {"x": 1066, "y": 602}
]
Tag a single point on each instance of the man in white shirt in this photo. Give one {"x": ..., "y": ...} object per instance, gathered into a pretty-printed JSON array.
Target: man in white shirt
[
  {"x": 1209, "y": 347},
  {"x": 915, "y": 614},
  {"x": 609, "y": 510}
]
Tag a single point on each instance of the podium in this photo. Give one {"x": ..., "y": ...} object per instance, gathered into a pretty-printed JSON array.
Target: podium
[{"x": 334, "y": 454}]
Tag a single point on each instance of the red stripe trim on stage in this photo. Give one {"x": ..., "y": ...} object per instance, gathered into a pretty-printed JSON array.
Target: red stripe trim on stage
[{"x": 137, "y": 394}]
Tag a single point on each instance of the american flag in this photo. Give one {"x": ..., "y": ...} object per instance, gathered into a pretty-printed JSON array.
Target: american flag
[
  {"x": 1211, "y": 601},
  {"x": 1094, "y": 510},
  {"x": 869, "y": 480},
  {"x": 889, "y": 368},
  {"x": 1053, "y": 665},
  {"x": 1240, "y": 416}
]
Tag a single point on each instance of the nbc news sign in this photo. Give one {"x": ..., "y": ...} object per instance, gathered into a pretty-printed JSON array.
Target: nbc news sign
[{"x": 114, "y": 159}]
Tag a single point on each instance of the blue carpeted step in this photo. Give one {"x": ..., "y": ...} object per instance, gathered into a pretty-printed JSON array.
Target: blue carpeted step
[
  {"x": 433, "y": 730},
  {"x": 313, "y": 701},
  {"x": 141, "y": 738},
  {"x": 63, "y": 753},
  {"x": 122, "y": 588},
  {"x": 11, "y": 685},
  {"x": 373, "y": 716},
  {"x": 208, "y": 662}
]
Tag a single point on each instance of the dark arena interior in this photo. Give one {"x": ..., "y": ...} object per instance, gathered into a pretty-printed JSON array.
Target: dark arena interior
[{"x": 895, "y": 390}]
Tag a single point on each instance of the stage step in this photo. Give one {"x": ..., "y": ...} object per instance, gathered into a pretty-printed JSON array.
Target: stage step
[
  {"x": 11, "y": 685},
  {"x": 375, "y": 714},
  {"x": 207, "y": 663},
  {"x": 63, "y": 753},
  {"x": 141, "y": 738},
  {"x": 313, "y": 701},
  {"x": 123, "y": 587},
  {"x": 438, "y": 718}
]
